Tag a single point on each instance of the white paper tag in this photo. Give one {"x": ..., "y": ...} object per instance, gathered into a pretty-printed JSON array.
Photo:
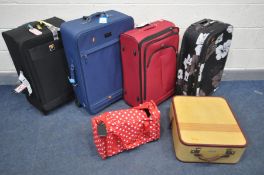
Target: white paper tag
[
  {"x": 24, "y": 84},
  {"x": 20, "y": 88},
  {"x": 35, "y": 31},
  {"x": 103, "y": 20}
]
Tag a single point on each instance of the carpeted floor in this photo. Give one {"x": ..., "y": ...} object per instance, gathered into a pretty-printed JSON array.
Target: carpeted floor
[{"x": 62, "y": 142}]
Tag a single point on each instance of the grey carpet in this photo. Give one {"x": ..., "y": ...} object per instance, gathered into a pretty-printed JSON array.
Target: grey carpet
[{"x": 62, "y": 142}]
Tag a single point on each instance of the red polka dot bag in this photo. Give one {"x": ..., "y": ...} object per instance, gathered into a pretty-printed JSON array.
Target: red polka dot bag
[{"x": 121, "y": 130}]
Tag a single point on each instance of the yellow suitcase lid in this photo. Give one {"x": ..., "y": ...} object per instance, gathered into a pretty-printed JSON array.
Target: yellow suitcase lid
[{"x": 207, "y": 121}]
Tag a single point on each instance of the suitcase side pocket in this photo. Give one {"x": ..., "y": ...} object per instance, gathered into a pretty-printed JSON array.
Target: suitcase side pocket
[
  {"x": 103, "y": 69},
  {"x": 51, "y": 70},
  {"x": 161, "y": 71}
]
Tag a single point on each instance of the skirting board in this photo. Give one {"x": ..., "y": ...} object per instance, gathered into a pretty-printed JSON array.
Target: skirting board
[
  {"x": 243, "y": 74},
  {"x": 10, "y": 78}
]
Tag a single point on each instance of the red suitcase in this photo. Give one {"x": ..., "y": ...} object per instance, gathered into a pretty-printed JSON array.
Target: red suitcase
[
  {"x": 121, "y": 130},
  {"x": 149, "y": 62}
]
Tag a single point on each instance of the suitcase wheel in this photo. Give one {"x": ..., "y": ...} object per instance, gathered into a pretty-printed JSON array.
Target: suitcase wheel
[{"x": 77, "y": 103}]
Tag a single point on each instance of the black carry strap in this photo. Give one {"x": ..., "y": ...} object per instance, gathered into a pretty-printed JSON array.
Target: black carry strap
[{"x": 146, "y": 110}]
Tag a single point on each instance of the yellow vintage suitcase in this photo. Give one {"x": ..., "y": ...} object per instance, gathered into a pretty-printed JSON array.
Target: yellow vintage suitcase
[{"x": 204, "y": 129}]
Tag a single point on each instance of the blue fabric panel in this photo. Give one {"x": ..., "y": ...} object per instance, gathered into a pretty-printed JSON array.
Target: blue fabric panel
[{"x": 93, "y": 49}]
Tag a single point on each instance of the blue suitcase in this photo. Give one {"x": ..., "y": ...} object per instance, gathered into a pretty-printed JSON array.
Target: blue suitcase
[{"x": 93, "y": 53}]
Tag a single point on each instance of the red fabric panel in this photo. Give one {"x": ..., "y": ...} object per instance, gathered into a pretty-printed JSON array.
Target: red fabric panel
[{"x": 126, "y": 129}]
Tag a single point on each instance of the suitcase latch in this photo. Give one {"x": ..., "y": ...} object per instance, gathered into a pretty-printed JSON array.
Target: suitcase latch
[
  {"x": 229, "y": 152},
  {"x": 51, "y": 47},
  {"x": 196, "y": 151}
]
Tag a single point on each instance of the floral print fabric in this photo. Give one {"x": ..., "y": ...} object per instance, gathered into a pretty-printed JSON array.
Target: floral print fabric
[
  {"x": 222, "y": 50},
  {"x": 203, "y": 58}
]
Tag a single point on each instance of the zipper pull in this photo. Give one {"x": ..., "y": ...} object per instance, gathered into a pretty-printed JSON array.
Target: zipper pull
[{"x": 30, "y": 26}]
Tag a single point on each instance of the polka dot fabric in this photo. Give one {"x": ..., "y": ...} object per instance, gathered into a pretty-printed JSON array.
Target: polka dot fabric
[{"x": 126, "y": 129}]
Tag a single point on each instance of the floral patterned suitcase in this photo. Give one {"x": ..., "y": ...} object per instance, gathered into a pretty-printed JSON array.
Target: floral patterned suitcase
[
  {"x": 204, "y": 129},
  {"x": 121, "y": 130},
  {"x": 203, "y": 55}
]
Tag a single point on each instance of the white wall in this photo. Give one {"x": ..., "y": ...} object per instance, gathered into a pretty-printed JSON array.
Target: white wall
[{"x": 247, "y": 16}]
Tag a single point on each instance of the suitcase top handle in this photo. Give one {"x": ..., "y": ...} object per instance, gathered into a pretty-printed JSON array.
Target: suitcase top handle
[
  {"x": 146, "y": 27},
  {"x": 142, "y": 26},
  {"x": 95, "y": 15},
  {"x": 205, "y": 22}
]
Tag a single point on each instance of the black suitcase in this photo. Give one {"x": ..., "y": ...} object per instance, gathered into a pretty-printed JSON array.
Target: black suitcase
[
  {"x": 40, "y": 60},
  {"x": 202, "y": 58}
]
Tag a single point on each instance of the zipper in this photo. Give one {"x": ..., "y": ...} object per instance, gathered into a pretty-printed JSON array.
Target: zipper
[
  {"x": 145, "y": 54},
  {"x": 164, "y": 47},
  {"x": 76, "y": 38},
  {"x": 84, "y": 54},
  {"x": 139, "y": 52},
  {"x": 200, "y": 63},
  {"x": 79, "y": 34},
  {"x": 156, "y": 35},
  {"x": 147, "y": 65},
  {"x": 202, "y": 56},
  {"x": 34, "y": 82}
]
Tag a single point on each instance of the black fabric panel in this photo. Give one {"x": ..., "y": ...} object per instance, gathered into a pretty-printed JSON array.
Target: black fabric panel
[
  {"x": 45, "y": 68},
  {"x": 52, "y": 77}
]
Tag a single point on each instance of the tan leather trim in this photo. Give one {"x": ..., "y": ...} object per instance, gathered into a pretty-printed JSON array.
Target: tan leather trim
[{"x": 209, "y": 127}]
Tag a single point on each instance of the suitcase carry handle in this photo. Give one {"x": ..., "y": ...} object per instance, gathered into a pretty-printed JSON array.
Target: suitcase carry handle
[
  {"x": 95, "y": 15},
  {"x": 210, "y": 159},
  {"x": 146, "y": 27},
  {"x": 146, "y": 107},
  {"x": 205, "y": 22}
]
